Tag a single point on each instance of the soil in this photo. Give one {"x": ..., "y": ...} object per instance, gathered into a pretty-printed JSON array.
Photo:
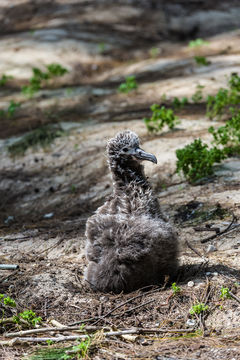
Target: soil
[{"x": 48, "y": 193}]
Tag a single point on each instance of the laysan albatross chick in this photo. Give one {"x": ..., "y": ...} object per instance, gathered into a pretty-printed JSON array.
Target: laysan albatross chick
[{"x": 129, "y": 242}]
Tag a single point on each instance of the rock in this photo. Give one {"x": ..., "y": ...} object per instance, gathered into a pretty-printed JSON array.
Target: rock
[{"x": 190, "y": 284}]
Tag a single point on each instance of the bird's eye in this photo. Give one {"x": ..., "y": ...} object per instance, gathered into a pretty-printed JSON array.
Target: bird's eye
[{"x": 125, "y": 149}]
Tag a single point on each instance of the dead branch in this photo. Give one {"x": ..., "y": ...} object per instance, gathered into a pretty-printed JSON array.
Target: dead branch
[
  {"x": 138, "y": 331},
  {"x": 195, "y": 250},
  {"x": 234, "y": 297},
  {"x": 9, "y": 267},
  {"x": 135, "y": 307},
  {"x": 203, "y": 241},
  {"x": 55, "y": 329}
]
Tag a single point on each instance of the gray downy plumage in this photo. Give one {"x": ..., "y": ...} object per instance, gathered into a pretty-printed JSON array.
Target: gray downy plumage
[{"x": 129, "y": 242}]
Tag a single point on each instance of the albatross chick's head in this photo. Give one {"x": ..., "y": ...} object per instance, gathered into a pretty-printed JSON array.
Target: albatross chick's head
[{"x": 125, "y": 146}]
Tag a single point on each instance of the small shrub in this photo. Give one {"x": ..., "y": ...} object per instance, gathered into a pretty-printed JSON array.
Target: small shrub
[
  {"x": 129, "y": 85},
  {"x": 198, "y": 309},
  {"x": 201, "y": 60},
  {"x": 228, "y": 135},
  {"x": 196, "y": 160},
  {"x": 224, "y": 98},
  {"x": 42, "y": 136},
  {"x": 101, "y": 47},
  {"x": 55, "y": 70},
  {"x": 198, "y": 95},
  {"x": 154, "y": 52},
  {"x": 4, "y": 79},
  {"x": 39, "y": 77},
  {"x": 160, "y": 117},
  {"x": 234, "y": 82},
  {"x": 179, "y": 103},
  {"x": 10, "y": 111},
  {"x": 197, "y": 43}
]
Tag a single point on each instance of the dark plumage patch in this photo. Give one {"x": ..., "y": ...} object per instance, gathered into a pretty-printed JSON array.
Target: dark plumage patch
[{"x": 129, "y": 242}]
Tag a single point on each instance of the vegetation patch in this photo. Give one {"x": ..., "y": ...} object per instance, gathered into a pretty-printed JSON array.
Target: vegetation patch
[
  {"x": 202, "y": 61},
  {"x": 224, "y": 99},
  {"x": 160, "y": 117},
  {"x": 40, "y": 78},
  {"x": 4, "y": 79},
  {"x": 130, "y": 84},
  {"x": 197, "y": 43},
  {"x": 10, "y": 111},
  {"x": 196, "y": 160},
  {"x": 42, "y": 136}
]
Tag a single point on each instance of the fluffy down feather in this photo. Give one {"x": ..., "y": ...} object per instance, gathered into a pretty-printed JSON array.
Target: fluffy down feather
[{"x": 129, "y": 243}]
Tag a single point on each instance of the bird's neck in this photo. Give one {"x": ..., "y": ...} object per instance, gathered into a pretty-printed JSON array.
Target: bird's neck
[{"x": 125, "y": 172}]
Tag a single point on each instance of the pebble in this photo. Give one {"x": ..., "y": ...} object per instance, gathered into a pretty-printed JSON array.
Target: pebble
[
  {"x": 48, "y": 216},
  {"x": 211, "y": 248},
  {"x": 191, "y": 322},
  {"x": 190, "y": 284},
  {"x": 9, "y": 220}
]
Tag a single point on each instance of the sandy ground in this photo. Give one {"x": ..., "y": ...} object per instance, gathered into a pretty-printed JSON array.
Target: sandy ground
[{"x": 48, "y": 193}]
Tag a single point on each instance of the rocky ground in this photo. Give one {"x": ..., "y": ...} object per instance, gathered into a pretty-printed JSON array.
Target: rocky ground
[{"x": 48, "y": 193}]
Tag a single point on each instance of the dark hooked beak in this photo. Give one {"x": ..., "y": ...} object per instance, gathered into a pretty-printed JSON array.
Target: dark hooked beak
[{"x": 143, "y": 155}]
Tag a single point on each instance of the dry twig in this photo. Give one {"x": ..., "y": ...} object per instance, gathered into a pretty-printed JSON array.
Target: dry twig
[
  {"x": 203, "y": 241},
  {"x": 98, "y": 318}
]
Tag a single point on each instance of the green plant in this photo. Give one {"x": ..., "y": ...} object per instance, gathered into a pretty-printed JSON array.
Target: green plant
[
  {"x": 196, "y": 160},
  {"x": 198, "y": 95},
  {"x": 225, "y": 293},
  {"x": 101, "y": 47},
  {"x": 228, "y": 135},
  {"x": 154, "y": 52},
  {"x": 39, "y": 77},
  {"x": 73, "y": 189},
  {"x": 49, "y": 342},
  {"x": 176, "y": 289},
  {"x": 129, "y": 85},
  {"x": 201, "y": 60},
  {"x": 29, "y": 316},
  {"x": 198, "y": 308},
  {"x": 197, "y": 43},
  {"x": 179, "y": 103},
  {"x": 234, "y": 82},
  {"x": 82, "y": 348},
  {"x": 224, "y": 98},
  {"x": 10, "y": 111},
  {"x": 55, "y": 70},
  {"x": 4, "y": 79},
  {"x": 160, "y": 117},
  {"x": 6, "y": 300},
  {"x": 42, "y": 136}
]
